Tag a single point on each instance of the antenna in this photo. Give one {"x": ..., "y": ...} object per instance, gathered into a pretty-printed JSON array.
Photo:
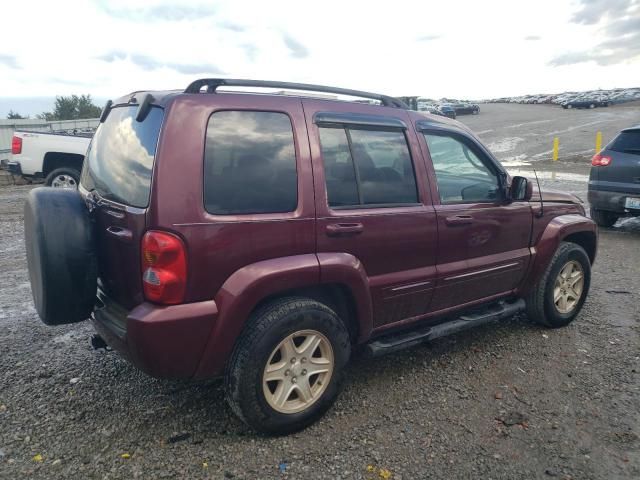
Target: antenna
[{"x": 539, "y": 193}]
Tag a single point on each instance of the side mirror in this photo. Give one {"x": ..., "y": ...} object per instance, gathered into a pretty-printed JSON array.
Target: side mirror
[{"x": 521, "y": 189}]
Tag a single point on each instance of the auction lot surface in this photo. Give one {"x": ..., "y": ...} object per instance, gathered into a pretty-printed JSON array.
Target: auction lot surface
[{"x": 508, "y": 400}]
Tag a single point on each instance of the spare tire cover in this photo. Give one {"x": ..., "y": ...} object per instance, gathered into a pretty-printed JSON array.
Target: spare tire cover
[{"x": 60, "y": 242}]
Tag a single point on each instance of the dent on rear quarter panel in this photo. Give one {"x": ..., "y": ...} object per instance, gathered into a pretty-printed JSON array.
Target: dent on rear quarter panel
[{"x": 242, "y": 292}]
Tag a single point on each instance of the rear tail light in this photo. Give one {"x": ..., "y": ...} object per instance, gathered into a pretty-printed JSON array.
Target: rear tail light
[
  {"x": 600, "y": 160},
  {"x": 16, "y": 145},
  {"x": 164, "y": 267}
]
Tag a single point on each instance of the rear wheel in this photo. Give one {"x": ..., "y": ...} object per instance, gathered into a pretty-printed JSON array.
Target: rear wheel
[
  {"x": 63, "y": 178},
  {"x": 286, "y": 369},
  {"x": 604, "y": 218},
  {"x": 559, "y": 295},
  {"x": 591, "y": 105}
]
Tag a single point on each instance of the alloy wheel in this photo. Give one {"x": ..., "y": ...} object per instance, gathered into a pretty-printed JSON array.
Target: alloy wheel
[{"x": 568, "y": 287}]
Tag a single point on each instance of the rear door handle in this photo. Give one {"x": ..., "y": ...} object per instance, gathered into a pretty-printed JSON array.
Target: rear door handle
[
  {"x": 343, "y": 229},
  {"x": 459, "y": 220},
  {"x": 120, "y": 233}
]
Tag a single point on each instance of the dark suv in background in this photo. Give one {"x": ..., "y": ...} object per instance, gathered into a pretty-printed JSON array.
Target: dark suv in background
[
  {"x": 263, "y": 237},
  {"x": 614, "y": 181}
]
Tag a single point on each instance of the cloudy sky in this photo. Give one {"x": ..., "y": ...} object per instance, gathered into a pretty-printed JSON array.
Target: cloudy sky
[{"x": 468, "y": 49}]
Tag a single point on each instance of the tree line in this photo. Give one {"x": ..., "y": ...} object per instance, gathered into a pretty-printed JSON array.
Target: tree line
[{"x": 73, "y": 107}]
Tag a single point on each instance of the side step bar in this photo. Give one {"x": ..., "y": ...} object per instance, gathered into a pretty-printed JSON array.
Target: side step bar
[{"x": 394, "y": 342}]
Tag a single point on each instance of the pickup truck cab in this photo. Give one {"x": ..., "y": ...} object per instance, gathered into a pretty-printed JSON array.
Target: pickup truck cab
[
  {"x": 263, "y": 237},
  {"x": 55, "y": 158}
]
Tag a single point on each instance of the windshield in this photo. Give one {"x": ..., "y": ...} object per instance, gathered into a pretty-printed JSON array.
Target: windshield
[{"x": 120, "y": 157}]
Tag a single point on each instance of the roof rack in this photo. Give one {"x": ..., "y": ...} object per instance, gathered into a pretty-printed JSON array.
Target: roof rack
[{"x": 213, "y": 83}]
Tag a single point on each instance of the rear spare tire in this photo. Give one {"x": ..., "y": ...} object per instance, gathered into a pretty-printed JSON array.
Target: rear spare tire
[{"x": 63, "y": 270}]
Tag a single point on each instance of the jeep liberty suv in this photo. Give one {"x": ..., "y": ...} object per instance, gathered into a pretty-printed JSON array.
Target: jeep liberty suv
[{"x": 263, "y": 237}]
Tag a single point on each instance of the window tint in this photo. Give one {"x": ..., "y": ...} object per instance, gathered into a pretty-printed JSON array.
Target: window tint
[
  {"x": 461, "y": 175},
  {"x": 374, "y": 169},
  {"x": 250, "y": 163},
  {"x": 121, "y": 156},
  {"x": 627, "y": 142}
]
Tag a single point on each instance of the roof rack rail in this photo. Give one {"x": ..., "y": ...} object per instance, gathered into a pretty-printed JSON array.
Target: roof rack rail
[{"x": 213, "y": 83}]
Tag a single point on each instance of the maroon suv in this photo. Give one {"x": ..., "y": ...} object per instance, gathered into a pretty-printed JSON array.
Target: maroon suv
[{"x": 261, "y": 237}]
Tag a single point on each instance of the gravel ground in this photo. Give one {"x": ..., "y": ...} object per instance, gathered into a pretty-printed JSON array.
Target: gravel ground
[{"x": 508, "y": 400}]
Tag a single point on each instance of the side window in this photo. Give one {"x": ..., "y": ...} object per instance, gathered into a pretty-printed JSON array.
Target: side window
[
  {"x": 367, "y": 167},
  {"x": 461, "y": 175},
  {"x": 250, "y": 163}
]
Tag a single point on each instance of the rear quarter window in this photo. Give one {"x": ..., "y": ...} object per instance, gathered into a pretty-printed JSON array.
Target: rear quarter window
[{"x": 250, "y": 163}]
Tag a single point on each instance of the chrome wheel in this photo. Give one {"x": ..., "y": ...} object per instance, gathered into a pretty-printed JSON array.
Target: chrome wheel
[
  {"x": 64, "y": 181},
  {"x": 298, "y": 371},
  {"x": 568, "y": 287}
]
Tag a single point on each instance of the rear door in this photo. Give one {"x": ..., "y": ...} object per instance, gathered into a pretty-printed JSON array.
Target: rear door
[
  {"x": 372, "y": 203},
  {"x": 116, "y": 178},
  {"x": 483, "y": 242}
]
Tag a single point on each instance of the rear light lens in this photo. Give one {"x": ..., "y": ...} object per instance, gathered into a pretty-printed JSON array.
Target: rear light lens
[
  {"x": 16, "y": 145},
  {"x": 164, "y": 268},
  {"x": 600, "y": 160}
]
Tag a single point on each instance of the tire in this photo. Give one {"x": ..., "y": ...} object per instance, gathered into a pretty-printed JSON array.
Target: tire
[
  {"x": 65, "y": 177},
  {"x": 591, "y": 105},
  {"x": 266, "y": 329},
  {"x": 59, "y": 238},
  {"x": 604, "y": 218},
  {"x": 569, "y": 106},
  {"x": 541, "y": 307}
]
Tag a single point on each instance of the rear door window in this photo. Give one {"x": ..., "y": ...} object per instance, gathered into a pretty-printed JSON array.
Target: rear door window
[
  {"x": 626, "y": 142},
  {"x": 367, "y": 167},
  {"x": 250, "y": 163},
  {"x": 120, "y": 158}
]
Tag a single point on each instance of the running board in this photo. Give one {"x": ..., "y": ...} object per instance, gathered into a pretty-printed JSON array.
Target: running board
[{"x": 394, "y": 342}]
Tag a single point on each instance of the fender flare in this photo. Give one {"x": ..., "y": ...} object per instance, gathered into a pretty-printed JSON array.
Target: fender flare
[
  {"x": 556, "y": 231},
  {"x": 250, "y": 285},
  {"x": 345, "y": 269},
  {"x": 241, "y": 293}
]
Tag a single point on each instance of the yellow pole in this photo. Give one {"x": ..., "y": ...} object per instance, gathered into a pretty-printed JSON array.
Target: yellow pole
[
  {"x": 598, "y": 142},
  {"x": 556, "y": 145}
]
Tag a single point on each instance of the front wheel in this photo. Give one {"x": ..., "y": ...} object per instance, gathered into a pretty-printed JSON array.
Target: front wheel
[
  {"x": 559, "y": 295},
  {"x": 286, "y": 370}
]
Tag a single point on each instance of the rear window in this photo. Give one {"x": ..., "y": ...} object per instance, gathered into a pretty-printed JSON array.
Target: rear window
[
  {"x": 626, "y": 142},
  {"x": 120, "y": 157},
  {"x": 250, "y": 163}
]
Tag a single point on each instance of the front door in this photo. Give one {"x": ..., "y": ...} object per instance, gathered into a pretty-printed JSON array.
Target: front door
[
  {"x": 372, "y": 204},
  {"x": 483, "y": 241}
]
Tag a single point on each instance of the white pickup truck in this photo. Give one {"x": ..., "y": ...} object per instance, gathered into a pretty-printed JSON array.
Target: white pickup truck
[{"x": 55, "y": 158}]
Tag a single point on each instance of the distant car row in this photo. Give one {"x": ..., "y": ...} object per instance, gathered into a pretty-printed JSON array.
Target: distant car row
[{"x": 590, "y": 99}]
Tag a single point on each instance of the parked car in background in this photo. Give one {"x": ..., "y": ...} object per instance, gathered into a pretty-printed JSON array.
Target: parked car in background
[
  {"x": 433, "y": 109},
  {"x": 262, "y": 237},
  {"x": 614, "y": 181},
  {"x": 447, "y": 110},
  {"x": 55, "y": 158},
  {"x": 585, "y": 102},
  {"x": 466, "y": 108}
]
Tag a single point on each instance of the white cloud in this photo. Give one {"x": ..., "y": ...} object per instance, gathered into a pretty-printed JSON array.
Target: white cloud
[{"x": 465, "y": 49}]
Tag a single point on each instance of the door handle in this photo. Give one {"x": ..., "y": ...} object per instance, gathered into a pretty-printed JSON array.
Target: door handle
[
  {"x": 343, "y": 229},
  {"x": 459, "y": 220},
  {"x": 120, "y": 233}
]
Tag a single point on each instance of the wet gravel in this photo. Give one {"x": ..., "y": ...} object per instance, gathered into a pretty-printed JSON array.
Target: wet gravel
[{"x": 508, "y": 400}]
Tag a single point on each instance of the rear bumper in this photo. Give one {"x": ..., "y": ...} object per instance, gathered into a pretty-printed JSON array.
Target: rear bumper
[
  {"x": 611, "y": 201},
  {"x": 163, "y": 341},
  {"x": 14, "y": 168}
]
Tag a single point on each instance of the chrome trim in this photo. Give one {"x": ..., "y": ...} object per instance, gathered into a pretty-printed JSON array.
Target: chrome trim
[
  {"x": 412, "y": 285},
  {"x": 486, "y": 270}
]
